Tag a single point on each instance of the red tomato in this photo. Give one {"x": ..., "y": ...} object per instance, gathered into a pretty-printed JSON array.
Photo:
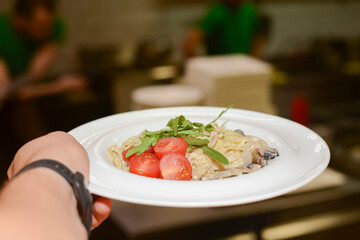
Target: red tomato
[
  {"x": 175, "y": 166},
  {"x": 170, "y": 145},
  {"x": 145, "y": 164},
  {"x": 149, "y": 150},
  {"x": 124, "y": 154}
]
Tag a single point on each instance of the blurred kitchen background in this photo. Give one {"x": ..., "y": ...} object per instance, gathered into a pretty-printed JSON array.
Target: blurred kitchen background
[{"x": 131, "y": 53}]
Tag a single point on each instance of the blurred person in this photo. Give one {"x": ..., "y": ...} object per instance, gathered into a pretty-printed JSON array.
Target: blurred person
[
  {"x": 30, "y": 38},
  {"x": 38, "y": 203},
  {"x": 230, "y": 26}
]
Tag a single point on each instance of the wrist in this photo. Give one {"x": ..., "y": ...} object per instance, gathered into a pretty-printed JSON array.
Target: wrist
[
  {"x": 57, "y": 87},
  {"x": 49, "y": 184},
  {"x": 41, "y": 197},
  {"x": 75, "y": 180}
]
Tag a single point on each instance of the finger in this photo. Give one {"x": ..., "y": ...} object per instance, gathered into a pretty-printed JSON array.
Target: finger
[
  {"x": 10, "y": 171},
  {"x": 101, "y": 210}
]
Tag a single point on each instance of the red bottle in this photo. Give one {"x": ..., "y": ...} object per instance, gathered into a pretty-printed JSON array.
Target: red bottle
[{"x": 300, "y": 110}]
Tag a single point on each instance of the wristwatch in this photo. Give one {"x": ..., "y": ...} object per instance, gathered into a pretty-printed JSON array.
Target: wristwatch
[{"x": 77, "y": 182}]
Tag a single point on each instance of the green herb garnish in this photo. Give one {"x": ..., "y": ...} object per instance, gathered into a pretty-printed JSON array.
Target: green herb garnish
[
  {"x": 189, "y": 131},
  {"x": 196, "y": 142},
  {"x": 215, "y": 155},
  {"x": 145, "y": 144},
  {"x": 224, "y": 111}
]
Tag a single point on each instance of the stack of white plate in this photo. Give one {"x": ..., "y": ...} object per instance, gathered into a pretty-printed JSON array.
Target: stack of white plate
[
  {"x": 169, "y": 95},
  {"x": 240, "y": 80}
]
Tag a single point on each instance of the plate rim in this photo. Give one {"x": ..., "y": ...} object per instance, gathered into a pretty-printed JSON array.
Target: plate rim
[{"x": 229, "y": 202}]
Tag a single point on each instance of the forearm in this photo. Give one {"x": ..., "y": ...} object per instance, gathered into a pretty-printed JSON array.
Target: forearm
[
  {"x": 43, "y": 60},
  {"x": 63, "y": 84},
  {"x": 39, "y": 204},
  {"x": 4, "y": 82},
  {"x": 4, "y": 75},
  {"x": 40, "y": 90}
]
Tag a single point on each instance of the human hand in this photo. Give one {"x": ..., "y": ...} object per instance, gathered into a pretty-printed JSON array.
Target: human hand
[
  {"x": 3, "y": 94},
  {"x": 64, "y": 148},
  {"x": 101, "y": 210},
  {"x": 58, "y": 146},
  {"x": 71, "y": 82},
  {"x": 66, "y": 83},
  {"x": 26, "y": 92}
]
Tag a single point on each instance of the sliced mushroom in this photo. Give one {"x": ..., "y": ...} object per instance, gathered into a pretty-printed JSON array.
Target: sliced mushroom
[
  {"x": 254, "y": 167},
  {"x": 239, "y": 131},
  {"x": 261, "y": 155},
  {"x": 270, "y": 153}
]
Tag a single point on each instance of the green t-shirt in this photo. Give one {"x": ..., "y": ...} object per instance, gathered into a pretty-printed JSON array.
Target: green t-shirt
[
  {"x": 17, "y": 51},
  {"x": 227, "y": 31}
]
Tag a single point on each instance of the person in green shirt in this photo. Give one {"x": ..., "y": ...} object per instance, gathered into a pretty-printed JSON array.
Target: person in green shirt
[
  {"x": 230, "y": 26},
  {"x": 30, "y": 38}
]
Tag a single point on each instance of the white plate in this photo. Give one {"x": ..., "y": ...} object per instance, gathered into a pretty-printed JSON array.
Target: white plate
[{"x": 303, "y": 156}]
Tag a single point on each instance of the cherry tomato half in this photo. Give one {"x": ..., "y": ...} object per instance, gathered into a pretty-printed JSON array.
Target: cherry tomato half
[
  {"x": 149, "y": 150},
  {"x": 145, "y": 164},
  {"x": 170, "y": 145},
  {"x": 175, "y": 166}
]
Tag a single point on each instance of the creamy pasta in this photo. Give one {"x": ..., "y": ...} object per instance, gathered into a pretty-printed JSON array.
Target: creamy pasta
[{"x": 245, "y": 153}]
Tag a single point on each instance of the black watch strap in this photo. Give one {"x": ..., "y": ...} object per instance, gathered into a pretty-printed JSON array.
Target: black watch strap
[{"x": 77, "y": 181}]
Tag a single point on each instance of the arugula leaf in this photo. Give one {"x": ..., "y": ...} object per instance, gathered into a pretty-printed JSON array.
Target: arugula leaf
[
  {"x": 181, "y": 120},
  {"x": 170, "y": 124},
  {"x": 224, "y": 111},
  {"x": 156, "y": 132},
  {"x": 209, "y": 127},
  {"x": 146, "y": 143},
  {"x": 192, "y": 132},
  {"x": 215, "y": 155},
  {"x": 187, "y": 125},
  {"x": 180, "y": 126},
  {"x": 197, "y": 124},
  {"x": 175, "y": 124},
  {"x": 198, "y": 142}
]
